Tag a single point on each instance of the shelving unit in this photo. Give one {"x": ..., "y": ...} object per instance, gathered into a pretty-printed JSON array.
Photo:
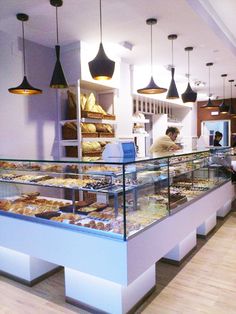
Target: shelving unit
[{"x": 107, "y": 98}]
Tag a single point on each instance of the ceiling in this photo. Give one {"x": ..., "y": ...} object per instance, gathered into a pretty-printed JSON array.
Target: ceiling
[{"x": 207, "y": 25}]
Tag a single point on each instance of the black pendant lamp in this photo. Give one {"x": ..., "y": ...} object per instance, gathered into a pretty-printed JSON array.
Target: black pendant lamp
[
  {"x": 223, "y": 107},
  {"x": 189, "y": 95},
  {"x": 101, "y": 67},
  {"x": 24, "y": 88},
  {"x": 58, "y": 78},
  {"x": 232, "y": 110},
  {"x": 172, "y": 91},
  {"x": 152, "y": 88},
  {"x": 209, "y": 105}
]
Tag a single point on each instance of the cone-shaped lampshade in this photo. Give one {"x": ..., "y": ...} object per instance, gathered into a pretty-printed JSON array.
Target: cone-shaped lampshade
[
  {"x": 224, "y": 108},
  {"x": 210, "y": 105},
  {"x": 25, "y": 88},
  {"x": 189, "y": 95},
  {"x": 152, "y": 88},
  {"x": 172, "y": 92},
  {"x": 101, "y": 67},
  {"x": 58, "y": 78}
]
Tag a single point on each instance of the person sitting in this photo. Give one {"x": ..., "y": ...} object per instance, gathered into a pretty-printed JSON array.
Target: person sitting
[
  {"x": 166, "y": 143},
  {"x": 218, "y": 138}
]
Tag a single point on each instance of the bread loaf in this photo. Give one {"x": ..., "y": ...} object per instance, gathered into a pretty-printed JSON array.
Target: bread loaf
[
  {"x": 82, "y": 101},
  {"x": 91, "y": 147},
  {"x": 100, "y": 127},
  {"x": 71, "y": 108},
  {"x": 71, "y": 125},
  {"x": 90, "y": 103},
  {"x": 88, "y": 128},
  {"x": 104, "y": 128}
]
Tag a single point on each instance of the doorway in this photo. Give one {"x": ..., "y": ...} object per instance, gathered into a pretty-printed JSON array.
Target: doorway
[{"x": 208, "y": 129}]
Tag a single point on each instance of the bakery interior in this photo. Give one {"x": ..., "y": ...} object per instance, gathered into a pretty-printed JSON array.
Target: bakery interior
[{"x": 63, "y": 175}]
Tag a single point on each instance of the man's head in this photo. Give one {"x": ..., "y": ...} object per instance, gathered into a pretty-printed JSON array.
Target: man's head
[
  {"x": 218, "y": 135},
  {"x": 172, "y": 132}
]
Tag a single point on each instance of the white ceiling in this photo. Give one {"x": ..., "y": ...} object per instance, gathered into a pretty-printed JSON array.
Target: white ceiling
[{"x": 207, "y": 25}]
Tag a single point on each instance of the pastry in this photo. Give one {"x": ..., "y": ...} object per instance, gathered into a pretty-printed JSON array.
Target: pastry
[{"x": 99, "y": 205}]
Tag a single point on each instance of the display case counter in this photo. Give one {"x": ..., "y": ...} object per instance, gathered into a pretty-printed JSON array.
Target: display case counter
[{"x": 107, "y": 223}]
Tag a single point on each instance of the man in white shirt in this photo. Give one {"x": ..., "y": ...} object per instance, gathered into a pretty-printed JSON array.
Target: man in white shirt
[{"x": 166, "y": 143}]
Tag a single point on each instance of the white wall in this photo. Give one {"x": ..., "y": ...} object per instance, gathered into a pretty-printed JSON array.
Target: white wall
[
  {"x": 27, "y": 128},
  {"x": 124, "y": 109}
]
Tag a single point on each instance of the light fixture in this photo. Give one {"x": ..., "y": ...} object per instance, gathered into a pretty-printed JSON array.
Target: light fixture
[
  {"x": 58, "y": 78},
  {"x": 24, "y": 88},
  {"x": 189, "y": 95},
  {"x": 172, "y": 91},
  {"x": 101, "y": 67},
  {"x": 232, "y": 110},
  {"x": 209, "y": 105},
  {"x": 223, "y": 107},
  {"x": 151, "y": 88}
]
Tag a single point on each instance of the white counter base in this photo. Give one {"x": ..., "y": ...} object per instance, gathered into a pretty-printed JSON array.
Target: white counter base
[
  {"x": 23, "y": 267},
  {"x": 224, "y": 210},
  {"x": 207, "y": 226},
  {"x": 121, "y": 271},
  {"x": 182, "y": 249},
  {"x": 102, "y": 295}
]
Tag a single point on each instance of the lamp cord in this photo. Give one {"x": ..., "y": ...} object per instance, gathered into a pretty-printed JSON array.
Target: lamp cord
[
  {"x": 23, "y": 41},
  {"x": 57, "y": 26},
  {"x": 223, "y": 88},
  {"x": 151, "y": 51},
  {"x": 209, "y": 81},
  {"x": 188, "y": 67},
  {"x": 100, "y": 10},
  {"x": 231, "y": 90},
  {"x": 172, "y": 52}
]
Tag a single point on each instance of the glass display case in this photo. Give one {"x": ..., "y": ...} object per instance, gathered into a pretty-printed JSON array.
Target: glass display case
[{"x": 112, "y": 199}]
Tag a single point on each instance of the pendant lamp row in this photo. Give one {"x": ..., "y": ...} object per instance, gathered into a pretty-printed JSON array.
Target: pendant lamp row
[
  {"x": 224, "y": 108},
  {"x": 102, "y": 68},
  {"x": 152, "y": 88}
]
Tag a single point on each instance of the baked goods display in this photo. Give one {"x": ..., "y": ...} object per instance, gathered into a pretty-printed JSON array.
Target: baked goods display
[
  {"x": 147, "y": 198},
  {"x": 30, "y": 167},
  {"x": 70, "y": 182}
]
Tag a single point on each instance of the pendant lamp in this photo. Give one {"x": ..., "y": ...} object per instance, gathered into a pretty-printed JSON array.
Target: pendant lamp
[
  {"x": 24, "y": 88},
  {"x": 232, "y": 110},
  {"x": 189, "y": 95},
  {"x": 58, "y": 78},
  {"x": 151, "y": 88},
  {"x": 223, "y": 107},
  {"x": 172, "y": 91},
  {"x": 209, "y": 105},
  {"x": 101, "y": 67}
]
